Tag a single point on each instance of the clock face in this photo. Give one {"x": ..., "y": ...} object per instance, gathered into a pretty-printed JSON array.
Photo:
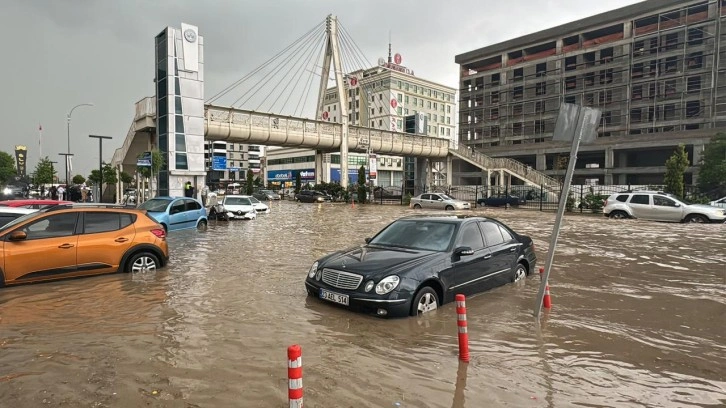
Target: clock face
[{"x": 190, "y": 35}]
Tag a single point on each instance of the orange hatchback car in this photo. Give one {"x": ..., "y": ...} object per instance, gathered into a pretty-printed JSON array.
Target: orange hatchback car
[{"x": 74, "y": 240}]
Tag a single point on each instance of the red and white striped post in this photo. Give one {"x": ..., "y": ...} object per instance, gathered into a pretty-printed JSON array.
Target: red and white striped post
[
  {"x": 294, "y": 376},
  {"x": 541, "y": 272},
  {"x": 461, "y": 324}
]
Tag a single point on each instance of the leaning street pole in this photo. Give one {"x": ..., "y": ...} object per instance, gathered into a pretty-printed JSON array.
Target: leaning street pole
[{"x": 579, "y": 125}]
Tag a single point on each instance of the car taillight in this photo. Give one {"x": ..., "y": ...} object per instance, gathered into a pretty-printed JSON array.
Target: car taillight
[{"x": 159, "y": 232}]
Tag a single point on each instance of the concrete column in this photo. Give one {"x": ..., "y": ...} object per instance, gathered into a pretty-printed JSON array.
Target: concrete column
[
  {"x": 119, "y": 184},
  {"x": 501, "y": 181},
  {"x": 696, "y": 162},
  {"x": 541, "y": 162},
  {"x": 319, "y": 167},
  {"x": 449, "y": 170},
  {"x": 609, "y": 164},
  {"x": 421, "y": 181},
  {"x": 487, "y": 177}
]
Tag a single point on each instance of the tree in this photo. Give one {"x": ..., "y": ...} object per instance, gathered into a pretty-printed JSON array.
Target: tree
[
  {"x": 94, "y": 177},
  {"x": 78, "y": 179},
  {"x": 712, "y": 175},
  {"x": 7, "y": 167},
  {"x": 249, "y": 185},
  {"x": 298, "y": 182},
  {"x": 44, "y": 171},
  {"x": 125, "y": 178},
  {"x": 362, "y": 193},
  {"x": 676, "y": 166},
  {"x": 157, "y": 161}
]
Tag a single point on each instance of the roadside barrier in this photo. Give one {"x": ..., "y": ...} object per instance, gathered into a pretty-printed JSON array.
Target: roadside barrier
[
  {"x": 461, "y": 324},
  {"x": 547, "y": 301},
  {"x": 541, "y": 272},
  {"x": 294, "y": 376}
]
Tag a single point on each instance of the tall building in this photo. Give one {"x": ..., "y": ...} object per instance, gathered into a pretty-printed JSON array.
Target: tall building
[
  {"x": 654, "y": 69},
  {"x": 229, "y": 162}
]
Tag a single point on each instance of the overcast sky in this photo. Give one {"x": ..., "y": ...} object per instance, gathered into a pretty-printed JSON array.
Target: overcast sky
[{"x": 60, "y": 53}]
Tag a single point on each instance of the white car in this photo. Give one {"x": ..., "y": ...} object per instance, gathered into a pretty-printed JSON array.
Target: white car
[
  {"x": 721, "y": 202},
  {"x": 659, "y": 206},
  {"x": 260, "y": 207},
  {"x": 238, "y": 207},
  {"x": 8, "y": 214}
]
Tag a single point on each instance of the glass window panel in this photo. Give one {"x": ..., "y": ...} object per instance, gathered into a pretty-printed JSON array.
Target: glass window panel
[
  {"x": 181, "y": 161},
  {"x": 180, "y": 140}
]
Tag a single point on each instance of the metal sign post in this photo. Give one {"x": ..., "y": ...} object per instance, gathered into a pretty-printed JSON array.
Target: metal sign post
[{"x": 579, "y": 125}]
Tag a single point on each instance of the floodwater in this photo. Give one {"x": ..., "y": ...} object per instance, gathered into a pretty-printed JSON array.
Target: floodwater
[{"x": 638, "y": 320}]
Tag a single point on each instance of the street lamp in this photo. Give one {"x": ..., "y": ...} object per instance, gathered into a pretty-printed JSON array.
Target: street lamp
[
  {"x": 67, "y": 157},
  {"x": 100, "y": 164},
  {"x": 69, "y": 132}
]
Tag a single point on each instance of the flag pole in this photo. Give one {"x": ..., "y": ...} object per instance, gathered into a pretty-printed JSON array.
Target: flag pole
[{"x": 40, "y": 141}]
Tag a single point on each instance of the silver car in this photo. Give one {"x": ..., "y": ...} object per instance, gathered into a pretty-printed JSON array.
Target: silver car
[
  {"x": 659, "y": 206},
  {"x": 438, "y": 201},
  {"x": 721, "y": 202}
]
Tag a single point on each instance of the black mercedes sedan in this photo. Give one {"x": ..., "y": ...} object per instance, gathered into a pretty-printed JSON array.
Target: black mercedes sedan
[{"x": 417, "y": 263}]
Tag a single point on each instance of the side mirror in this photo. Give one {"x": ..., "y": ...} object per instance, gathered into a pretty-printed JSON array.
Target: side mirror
[
  {"x": 464, "y": 250},
  {"x": 17, "y": 236},
  {"x": 678, "y": 205},
  {"x": 368, "y": 240}
]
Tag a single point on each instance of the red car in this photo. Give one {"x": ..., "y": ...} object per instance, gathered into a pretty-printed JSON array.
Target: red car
[{"x": 32, "y": 204}]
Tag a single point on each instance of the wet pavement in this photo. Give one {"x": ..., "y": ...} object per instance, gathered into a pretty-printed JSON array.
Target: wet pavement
[{"x": 638, "y": 320}]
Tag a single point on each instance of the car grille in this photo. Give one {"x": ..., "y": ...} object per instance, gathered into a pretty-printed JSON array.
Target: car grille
[{"x": 341, "y": 280}]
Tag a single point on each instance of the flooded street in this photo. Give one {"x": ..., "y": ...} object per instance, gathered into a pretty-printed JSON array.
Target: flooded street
[{"x": 638, "y": 320}]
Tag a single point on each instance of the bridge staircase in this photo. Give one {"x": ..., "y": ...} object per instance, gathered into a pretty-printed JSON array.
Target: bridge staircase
[{"x": 517, "y": 169}]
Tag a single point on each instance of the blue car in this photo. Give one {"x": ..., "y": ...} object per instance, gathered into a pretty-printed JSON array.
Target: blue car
[{"x": 176, "y": 213}]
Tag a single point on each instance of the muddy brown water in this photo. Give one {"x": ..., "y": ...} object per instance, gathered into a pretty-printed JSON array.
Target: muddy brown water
[{"x": 638, "y": 320}]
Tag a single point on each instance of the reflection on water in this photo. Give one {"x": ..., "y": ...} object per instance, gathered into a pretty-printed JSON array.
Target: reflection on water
[{"x": 638, "y": 320}]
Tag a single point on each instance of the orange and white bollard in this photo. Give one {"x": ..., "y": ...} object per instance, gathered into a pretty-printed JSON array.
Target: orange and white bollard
[
  {"x": 541, "y": 272},
  {"x": 461, "y": 324},
  {"x": 294, "y": 376},
  {"x": 547, "y": 301}
]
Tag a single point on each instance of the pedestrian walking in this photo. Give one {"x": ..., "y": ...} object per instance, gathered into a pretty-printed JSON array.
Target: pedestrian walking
[{"x": 61, "y": 193}]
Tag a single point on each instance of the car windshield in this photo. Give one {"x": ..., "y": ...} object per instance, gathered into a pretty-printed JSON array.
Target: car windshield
[
  {"x": 268, "y": 192},
  {"x": 254, "y": 200},
  {"x": 416, "y": 234},
  {"x": 16, "y": 221},
  {"x": 237, "y": 201},
  {"x": 155, "y": 205}
]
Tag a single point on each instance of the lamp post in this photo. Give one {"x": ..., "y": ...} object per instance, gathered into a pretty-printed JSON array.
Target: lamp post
[
  {"x": 67, "y": 159},
  {"x": 51, "y": 170},
  {"x": 69, "y": 132},
  {"x": 100, "y": 164}
]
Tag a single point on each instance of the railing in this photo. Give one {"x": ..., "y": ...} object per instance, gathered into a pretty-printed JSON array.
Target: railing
[
  {"x": 520, "y": 169},
  {"x": 146, "y": 108}
]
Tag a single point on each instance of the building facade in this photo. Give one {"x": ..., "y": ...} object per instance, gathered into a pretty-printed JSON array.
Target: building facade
[
  {"x": 654, "y": 69},
  {"x": 229, "y": 162}
]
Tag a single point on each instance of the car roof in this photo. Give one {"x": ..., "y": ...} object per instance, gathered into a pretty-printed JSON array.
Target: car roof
[
  {"x": 16, "y": 210},
  {"x": 454, "y": 218}
]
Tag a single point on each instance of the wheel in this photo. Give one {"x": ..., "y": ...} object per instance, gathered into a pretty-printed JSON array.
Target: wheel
[
  {"x": 426, "y": 300},
  {"x": 520, "y": 273},
  {"x": 697, "y": 218},
  {"x": 143, "y": 262},
  {"x": 618, "y": 215},
  {"x": 202, "y": 225},
  {"x": 449, "y": 208},
  {"x": 417, "y": 206}
]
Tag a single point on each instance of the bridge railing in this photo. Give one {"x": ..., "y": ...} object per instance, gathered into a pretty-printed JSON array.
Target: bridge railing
[
  {"x": 518, "y": 168},
  {"x": 146, "y": 108}
]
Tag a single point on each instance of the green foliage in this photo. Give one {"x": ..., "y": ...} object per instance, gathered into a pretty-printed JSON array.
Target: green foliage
[
  {"x": 712, "y": 175},
  {"x": 78, "y": 179},
  {"x": 298, "y": 183},
  {"x": 362, "y": 193},
  {"x": 44, "y": 171},
  {"x": 125, "y": 178},
  {"x": 676, "y": 166},
  {"x": 407, "y": 199},
  {"x": 94, "y": 177},
  {"x": 157, "y": 161},
  {"x": 594, "y": 202},
  {"x": 258, "y": 182},
  {"x": 249, "y": 185},
  {"x": 570, "y": 203},
  {"x": 7, "y": 167},
  {"x": 109, "y": 174}
]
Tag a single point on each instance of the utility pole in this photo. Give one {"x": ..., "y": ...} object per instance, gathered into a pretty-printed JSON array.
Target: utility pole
[{"x": 100, "y": 164}]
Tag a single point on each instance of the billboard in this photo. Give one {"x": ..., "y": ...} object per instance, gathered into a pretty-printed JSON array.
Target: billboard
[
  {"x": 21, "y": 156},
  {"x": 219, "y": 163},
  {"x": 144, "y": 160},
  {"x": 290, "y": 175},
  {"x": 372, "y": 166}
]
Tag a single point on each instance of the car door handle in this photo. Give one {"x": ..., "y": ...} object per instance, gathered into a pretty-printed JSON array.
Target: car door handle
[
  {"x": 512, "y": 249},
  {"x": 121, "y": 239},
  {"x": 66, "y": 246},
  {"x": 487, "y": 256}
]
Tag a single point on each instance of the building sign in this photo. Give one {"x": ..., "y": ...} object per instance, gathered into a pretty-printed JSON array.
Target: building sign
[
  {"x": 290, "y": 175},
  {"x": 353, "y": 81},
  {"x": 144, "y": 160},
  {"x": 397, "y": 59},
  {"x": 372, "y": 166},
  {"x": 21, "y": 156},
  {"x": 394, "y": 67},
  {"x": 352, "y": 175},
  {"x": 219, "y": 163}
]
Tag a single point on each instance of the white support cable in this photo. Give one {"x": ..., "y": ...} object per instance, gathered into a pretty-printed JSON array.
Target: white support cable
[
  {"x": 349, "y": 52},
  {"x": 310, "y": 82},
  {"x": 347, "y": 43},
  {"x": 260, "y": 67}
]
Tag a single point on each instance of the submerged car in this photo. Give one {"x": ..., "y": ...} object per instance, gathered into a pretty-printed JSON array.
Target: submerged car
[
  {"x": 8, "y": 214},
  {"x": 438, "y": 201},
  {"x": 501, "y": 201},
  {"x": 176, "y": 213},
  {"x": 721, "y": 202},
  {"x": 266, "y": 195},
  {"x": 236, "y": 207},
  {"x": 312, "y": 196},
  {"x": 260, "y": 207},
  {"x": 415, "y": 264},
  {"x": 659, "y": 206}
]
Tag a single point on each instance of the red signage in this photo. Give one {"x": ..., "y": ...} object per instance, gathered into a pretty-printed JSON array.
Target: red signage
[
  {"x": 353, "y": 82},
  {"x": 397, "y": 59},
  {"x": 325, "y": 115},
  {"x": 394, "y": 103}
]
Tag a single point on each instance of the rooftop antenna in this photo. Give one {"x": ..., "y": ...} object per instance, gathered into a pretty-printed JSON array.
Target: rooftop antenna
[{"x": 389, "y": 47}]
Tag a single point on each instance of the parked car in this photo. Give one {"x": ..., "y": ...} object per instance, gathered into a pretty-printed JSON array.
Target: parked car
[
  {"x": 236, "y": 207},
  {"x": 10, "y": 191},
  {"x": 501, "y": 200},
  {"x": 721, "y": 202},
  {"x": 32, "y": 204},
  {"x": 438, "y": 201},
  {"x": 266, "y": 195},
  {"x": 659, "y": 206},
  {"x": 176, "y": 213},
  {"x": 73, "y": 240},
  {"x": 415, "y": 264},
  {"x": 260, "y": 207},
  {"x": 312, "y": 196},
  {"x": 8, "y": 214}
]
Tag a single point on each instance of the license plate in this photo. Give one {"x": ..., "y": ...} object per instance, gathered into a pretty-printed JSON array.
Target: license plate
[{"x": 333, "y": 297}]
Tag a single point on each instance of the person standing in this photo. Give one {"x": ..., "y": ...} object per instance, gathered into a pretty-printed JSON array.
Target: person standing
[
  {"x": 61, "y": 193},
  {"x": 205, "y": 194},
  {"x": 188, "y": 190}
]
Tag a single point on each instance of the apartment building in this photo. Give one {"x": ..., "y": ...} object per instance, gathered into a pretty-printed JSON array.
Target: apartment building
[
  {"x": 654, "y": 69},
  {"x": 230, "y": 161}
]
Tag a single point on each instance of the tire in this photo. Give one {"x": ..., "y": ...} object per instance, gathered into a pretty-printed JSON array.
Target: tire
[
  {"x": 417, "y": 206},
  {"x": 697, "y": 218},
  {"x": 425, "y": 301},
  {"x": 202, "y": 225},
  {"x": 520, "y": 273},
  {"x": 449, "y": 208},
  {"x": 142, "y": 262},
  {"x": 619, "y": 215}
]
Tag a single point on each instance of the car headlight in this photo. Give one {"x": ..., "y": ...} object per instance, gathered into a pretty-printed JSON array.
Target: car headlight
[
  {"x": 369, "y": 286},
  {"x": 313, "y": 269},
  {"x": 7, "y": 190},
  {"x": 387, "y": 284}
]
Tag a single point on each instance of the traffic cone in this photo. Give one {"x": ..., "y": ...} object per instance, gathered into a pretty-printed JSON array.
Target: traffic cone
[{"x": 547, "y": 301}]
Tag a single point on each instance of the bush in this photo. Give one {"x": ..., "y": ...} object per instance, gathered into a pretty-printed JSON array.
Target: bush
[{"x": 594, "y": 202}]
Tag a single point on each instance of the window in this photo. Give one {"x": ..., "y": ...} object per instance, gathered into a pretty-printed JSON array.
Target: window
[
  {"x": 505, "y": 234},
  {"x": 181, "y": 161},
  {"x": 97, "y": 222},
  {"x": 622, "y": 198},
  {"x": 491, "y": 233},
  {"x": 180, "y": 142},
  {"x": 637, "y": 92},
  {"x": 177, "y": 207},
  {"x": 640, "y": 199},
  {"x": 192, "y": 205},
  {"x": 663, "y": 201},
  {"x": 694, "y": 84},
  {"x": 179, "y": 123},
  {"x": 695, "y": 36},
  {"x": 470, "y": 236},
  {"x": 695, "y": 60},
  {"x": 58, "y": 225}
]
